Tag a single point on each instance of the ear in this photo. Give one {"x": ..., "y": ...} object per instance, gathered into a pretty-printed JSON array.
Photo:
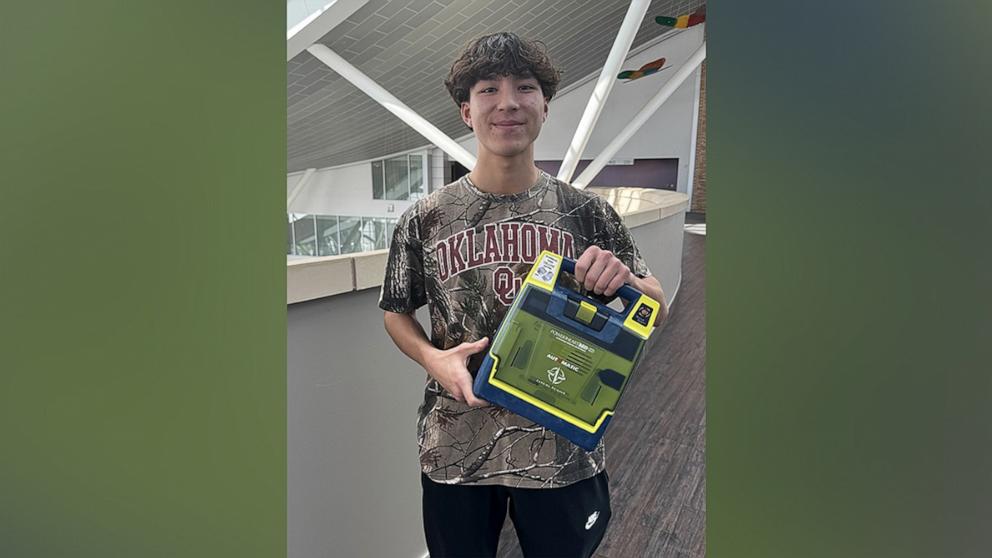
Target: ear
[
  {"x": 466, "y": 114},
  {"x": 545, "y": 111}
]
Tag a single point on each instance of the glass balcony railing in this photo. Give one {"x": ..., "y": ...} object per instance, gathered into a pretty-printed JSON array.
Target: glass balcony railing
[{"x": 333, "y": 235}]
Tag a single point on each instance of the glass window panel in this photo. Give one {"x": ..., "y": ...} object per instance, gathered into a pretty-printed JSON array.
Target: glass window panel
[
  {"x": 397, "y": 186},
  {"x": 303, "y": 228},
  {"x": 390, "y": 230},
  {"x": 377, "y": 188},
  {"x": 416, "y": 176},
  {"x": 382, "y": 240},
  {"x": 379, "y": 233},
  {"x": 296, "y": 11},
  {"x": 368, "y": 234},
  {"x": 289, "y": 235},
  {"x": 327, "y": 235},
  {"x": 351, "y": 234}
]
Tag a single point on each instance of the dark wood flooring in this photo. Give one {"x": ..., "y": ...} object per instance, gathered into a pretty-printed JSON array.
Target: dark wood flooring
[{"x": 655, "y": 449}]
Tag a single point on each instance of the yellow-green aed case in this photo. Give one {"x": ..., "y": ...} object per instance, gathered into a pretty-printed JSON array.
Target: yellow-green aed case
[{"x": 562, "y": 359}]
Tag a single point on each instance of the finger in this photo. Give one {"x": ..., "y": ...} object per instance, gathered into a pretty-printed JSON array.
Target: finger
[
  {"x": 613, "y": 270},
  {"x": 584, "y": 261},
  {"x": 474, "y": 346},
  {"x": 469, "y": 349},
  {"x": 474, "y": 401},
  {"x": 478, "y": 346},
  {"x": 615, "y": 285},
  {"x": 466, "y": 388},
  {"x": 596, "y": 270}
]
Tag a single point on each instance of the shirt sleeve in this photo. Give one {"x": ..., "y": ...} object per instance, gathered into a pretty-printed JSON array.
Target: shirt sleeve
[
  {"x": 403, "y": 284},
  {"x": 613, "y": 235}
]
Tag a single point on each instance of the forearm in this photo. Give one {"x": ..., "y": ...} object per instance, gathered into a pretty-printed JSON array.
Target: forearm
[{"x": 408, "y": 335}]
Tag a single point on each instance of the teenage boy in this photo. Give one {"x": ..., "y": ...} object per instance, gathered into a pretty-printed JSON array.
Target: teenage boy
[{"x": 463, "y": 251}]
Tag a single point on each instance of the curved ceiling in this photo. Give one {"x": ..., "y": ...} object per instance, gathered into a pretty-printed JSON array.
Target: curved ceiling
[{"x": 407, "y": 46}]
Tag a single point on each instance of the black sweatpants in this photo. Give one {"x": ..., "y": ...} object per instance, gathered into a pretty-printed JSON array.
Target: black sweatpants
[{"x": 464, "y": 521}]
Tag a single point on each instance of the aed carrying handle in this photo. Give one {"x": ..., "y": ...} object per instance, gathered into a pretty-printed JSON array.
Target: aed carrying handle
[
  {"x": 626, "y": 292},
  {"x": 638, "y": 316}
]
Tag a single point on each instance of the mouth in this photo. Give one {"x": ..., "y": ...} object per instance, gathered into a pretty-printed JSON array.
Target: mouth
[{"x": 507, "y": 124}]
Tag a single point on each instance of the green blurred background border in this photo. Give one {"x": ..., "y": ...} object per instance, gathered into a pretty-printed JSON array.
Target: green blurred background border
[
  {"x": 142, "y": 370},
  {"x": 848, "y": 311},
  {"x": 142, "y": 223}
]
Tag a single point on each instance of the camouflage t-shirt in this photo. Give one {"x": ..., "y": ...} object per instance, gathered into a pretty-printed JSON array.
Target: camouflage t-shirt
[{"x": 464, "y": 253}]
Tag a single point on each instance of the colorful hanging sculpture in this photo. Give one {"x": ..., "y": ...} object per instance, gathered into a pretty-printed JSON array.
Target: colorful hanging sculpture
[
  {"x": 645, "y": 70},
  {"x": 683, "y": 21}
]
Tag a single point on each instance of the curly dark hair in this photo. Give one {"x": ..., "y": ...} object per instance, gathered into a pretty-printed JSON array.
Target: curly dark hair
[{"x": 501, "y": 54}]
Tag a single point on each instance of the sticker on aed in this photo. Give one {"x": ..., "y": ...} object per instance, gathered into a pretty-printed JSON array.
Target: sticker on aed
[
  {"x": 546, "y": 269},
  {"x": 643, "y": 314}
]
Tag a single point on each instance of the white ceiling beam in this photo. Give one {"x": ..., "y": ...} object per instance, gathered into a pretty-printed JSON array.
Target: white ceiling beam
[
  {"x": 641, "y": 117},
  {"x": 392, "y": 104},
  {"x": 607, "y": 78},
  {"x": 694, "y": 135}
]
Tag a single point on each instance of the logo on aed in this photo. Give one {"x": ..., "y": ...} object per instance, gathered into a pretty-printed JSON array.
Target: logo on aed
[
  {"x": 556, "y": 376},
  {"x": 592, "y": 520}
]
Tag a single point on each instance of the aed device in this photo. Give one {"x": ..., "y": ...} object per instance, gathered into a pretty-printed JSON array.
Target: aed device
[{"x": 562, "y": 359}]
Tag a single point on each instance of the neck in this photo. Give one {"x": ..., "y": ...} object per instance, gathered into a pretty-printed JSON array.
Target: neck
[{"x": 504, "y": 175}]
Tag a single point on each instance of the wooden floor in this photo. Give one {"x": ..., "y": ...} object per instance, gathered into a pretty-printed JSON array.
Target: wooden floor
[{"x": 655, "y": 449}]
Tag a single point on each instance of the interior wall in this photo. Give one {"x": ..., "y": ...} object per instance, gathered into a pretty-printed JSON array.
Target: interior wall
[
  {"x": 353, "y": 486},
  {"x": 345, "y": 190}
]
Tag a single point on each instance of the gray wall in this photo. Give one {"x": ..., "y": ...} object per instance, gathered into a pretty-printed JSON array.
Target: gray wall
[
  {"x": 660, "y": 243},
  {"x": 353, "y": 476}
]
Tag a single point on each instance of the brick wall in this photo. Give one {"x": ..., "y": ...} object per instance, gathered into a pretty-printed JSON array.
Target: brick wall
[{"x": 698, "y": 202}]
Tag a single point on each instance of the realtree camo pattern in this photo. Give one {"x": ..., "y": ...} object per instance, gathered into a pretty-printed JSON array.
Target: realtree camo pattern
[{"x": 464, "y": 253}]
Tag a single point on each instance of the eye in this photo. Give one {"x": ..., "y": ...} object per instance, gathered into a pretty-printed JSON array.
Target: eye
[{"x": 487, "y": 90}]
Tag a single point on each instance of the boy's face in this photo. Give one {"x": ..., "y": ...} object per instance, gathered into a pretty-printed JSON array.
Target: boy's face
[{"x": 506, "y": 113}]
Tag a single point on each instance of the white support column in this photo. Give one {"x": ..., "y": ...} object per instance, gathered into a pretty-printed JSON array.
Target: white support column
[
  {"x": 607, "y": 78},
  {"x": 392, "y": 104},
  {"x": 299, "y": 187},
  {"x": 695, "y": 132},
  {"x": 641, "y": 118}
]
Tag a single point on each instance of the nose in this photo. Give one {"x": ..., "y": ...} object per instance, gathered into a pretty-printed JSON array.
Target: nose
[{"x": 508, "y": 99}]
